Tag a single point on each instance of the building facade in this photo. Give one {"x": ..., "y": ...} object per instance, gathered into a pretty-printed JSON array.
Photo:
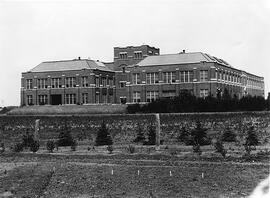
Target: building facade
[{"x": 139, "y": 74}]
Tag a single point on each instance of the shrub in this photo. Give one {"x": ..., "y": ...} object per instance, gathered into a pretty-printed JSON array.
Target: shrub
[
  {"x": 50, "y": 145},
  {"x": 184, "y": 136},
  {"x": 103, "y": 136},
  {"x": 251, "y": 140},
  {"x": 27, "y": 140},
  {"x": 140, "y": 135},
  {"x": 64, "y": 137},
  {"x": 197, "y": 149},
  {"x": 131, "y": 149},
  {"x": 220, "y": 148},
  {"x": 34, "y": 146},
  {"x": 228, "y": 136},
  {"x": 18, "y": 147},
  {"x": 73, "y": 145},
  {"x": 110, "y": 149},
  {"x": 151, "y": 136},
  {"x": 2, "y": 148},
  {"x": 173, "y": 151}
]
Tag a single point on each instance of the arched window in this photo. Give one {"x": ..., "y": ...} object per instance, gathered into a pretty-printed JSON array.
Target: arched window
[{"x": 123, "y": 66}]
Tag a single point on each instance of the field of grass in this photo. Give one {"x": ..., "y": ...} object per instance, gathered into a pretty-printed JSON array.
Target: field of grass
[{"x": 102, "y": 176}]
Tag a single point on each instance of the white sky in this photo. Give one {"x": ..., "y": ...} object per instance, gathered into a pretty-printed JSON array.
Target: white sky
[{"x": 35, "y": 31}]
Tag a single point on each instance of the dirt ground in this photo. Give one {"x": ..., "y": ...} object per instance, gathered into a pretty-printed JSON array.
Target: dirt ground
[{"x": 40, "y": 175}]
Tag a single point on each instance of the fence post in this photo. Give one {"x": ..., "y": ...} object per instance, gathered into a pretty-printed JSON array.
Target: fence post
[
  {"x": 36, "y": 134},
  {"x": 157, "y": 131}
]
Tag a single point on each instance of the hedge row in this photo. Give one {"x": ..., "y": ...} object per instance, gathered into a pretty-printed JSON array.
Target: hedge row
[{"x": 123, "y": 128}]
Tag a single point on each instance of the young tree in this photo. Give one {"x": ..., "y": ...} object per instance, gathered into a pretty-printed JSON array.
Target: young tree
[
  {"x": 199, "y": 135},
  {"x": 151, "y": 135},
  {"x": 228, "y": 135},
  {"x": 184, "y": 136},
  {"x": 34, "y": 146},
  {"x": 220, "y": 148},
  {"x": 64, "y": 137},
  {"x": 27, "y": 139},
  {"x": 251, "y": 140},
  {"x": 103, "y": 136},
  {"x": 50, "y": 146},
  {"x": 140, "y": 135}
]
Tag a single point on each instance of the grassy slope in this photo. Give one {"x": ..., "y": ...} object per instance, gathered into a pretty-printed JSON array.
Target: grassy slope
[{"x": 68, "y": 109}]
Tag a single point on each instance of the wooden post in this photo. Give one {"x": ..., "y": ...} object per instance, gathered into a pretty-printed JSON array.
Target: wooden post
[
  {"x": 36, "y": 134},
  {"x": 157, "y": 131}
]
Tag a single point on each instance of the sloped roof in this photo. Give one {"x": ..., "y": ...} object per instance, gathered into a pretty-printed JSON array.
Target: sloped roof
[
  {"x": 180, "y": 58},
  {"x": 110, "y": 65},
  {"x": 66, "y": 65}
]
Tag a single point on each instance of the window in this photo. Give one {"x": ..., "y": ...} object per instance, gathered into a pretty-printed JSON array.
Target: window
[
  {"x": 123, "y": 100},
  {"x": 84, "y": 81},
  {"x": 42, "y": 83},
  {"x": 110, "y": 100},
  {"x": 70, "y": 82},
  {"x": 85, "y": 98},
  {"x": 29, "y": 84},
  {"x": 29, "y": 99},
  {"x": 104, "y": 98},
  {"x": 203, "y": 75},
  {"x": 97, "y": 81},
  {"x": 56, "y": 83},
  {"x": 136, "y": 79},
  {"x": 123, "y": 55},
  {"x": 136, "y": 97},
  {"x": 168, "y": 94},
  {"x": 70, "y": 98},
  {"x": 186, "y": 76},
  {"x": 122, "y": 84},
  {"x": 111, "y": 82},
  {"x": 42, "y": 99},
  {"x": 169, "y": 77},
  {"x": 97, "y": 98},
  {"x": 104, "y": 81},
  {"x": 191, "y": 76},
  {"x": 204, "y": 93},
  {"x": 151, "y": 96},
  {"x": 152, "y": 78},
  {"x": 138, "y": 55}
]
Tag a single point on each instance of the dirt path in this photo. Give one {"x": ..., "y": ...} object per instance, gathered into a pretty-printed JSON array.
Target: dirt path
[{"x": 159, "y": 163}]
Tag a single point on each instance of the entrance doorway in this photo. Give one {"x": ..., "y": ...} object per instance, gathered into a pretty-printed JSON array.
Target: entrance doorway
[{"x": 56, "y": 99}]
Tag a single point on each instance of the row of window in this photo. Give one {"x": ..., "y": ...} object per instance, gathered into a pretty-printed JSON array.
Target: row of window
[
  {"x": 221, "y": 75},
  {"x": 137, "y": 55},
  {"x": 153, "y": 95},
  {"x": 69, "y": 82},
  {"x": 169, "y": 77},
  {"x": 71, "y": 99}
]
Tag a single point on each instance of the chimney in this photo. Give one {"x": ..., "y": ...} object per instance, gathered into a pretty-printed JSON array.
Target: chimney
[{"x": 79, "y": 58}]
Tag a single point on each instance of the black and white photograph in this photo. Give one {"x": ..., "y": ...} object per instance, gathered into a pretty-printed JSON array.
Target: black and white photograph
[{"x": 134, "y": 99}]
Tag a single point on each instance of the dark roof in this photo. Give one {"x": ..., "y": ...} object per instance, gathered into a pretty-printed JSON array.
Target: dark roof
[
  {"x": 110, "y": 65},
  {"x": 66, "y": 65},
  {"x": 180, "y": 58}
]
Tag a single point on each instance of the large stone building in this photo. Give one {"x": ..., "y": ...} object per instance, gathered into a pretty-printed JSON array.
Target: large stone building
[{"x": 138, "y": 74}]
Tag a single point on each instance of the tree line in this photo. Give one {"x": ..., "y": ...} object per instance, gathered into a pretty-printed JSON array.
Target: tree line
[{"x": 187, "y": 102}]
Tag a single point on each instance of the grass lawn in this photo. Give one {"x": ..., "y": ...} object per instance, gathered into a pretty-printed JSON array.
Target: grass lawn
[{"x": 78, "y": 176}]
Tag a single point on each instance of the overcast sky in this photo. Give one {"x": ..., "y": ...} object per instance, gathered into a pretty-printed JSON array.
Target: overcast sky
[{"x": 35, "y": 31}]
